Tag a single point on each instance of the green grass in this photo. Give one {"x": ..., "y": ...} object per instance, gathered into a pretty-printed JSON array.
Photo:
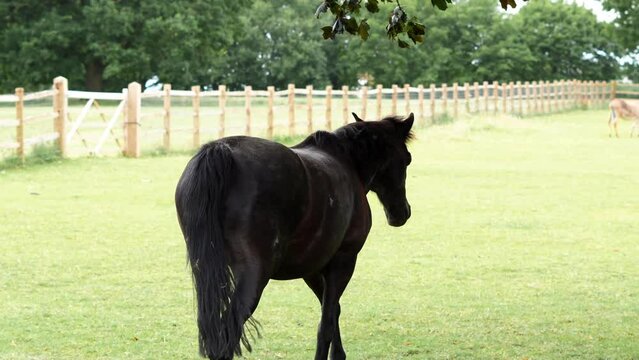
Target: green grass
[
  {"x": 523, "y": 244},
  {"x": 40, "y": 154}
]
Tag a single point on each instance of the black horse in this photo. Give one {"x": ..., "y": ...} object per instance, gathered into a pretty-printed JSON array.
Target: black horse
[{"x": 253, "y": 210}]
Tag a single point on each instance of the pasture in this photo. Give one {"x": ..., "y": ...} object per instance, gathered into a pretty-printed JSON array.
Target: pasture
[{"x": 523, "y": 243}]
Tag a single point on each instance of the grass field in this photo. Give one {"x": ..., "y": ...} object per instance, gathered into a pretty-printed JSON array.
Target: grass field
[{"x": 523, "y": 243}]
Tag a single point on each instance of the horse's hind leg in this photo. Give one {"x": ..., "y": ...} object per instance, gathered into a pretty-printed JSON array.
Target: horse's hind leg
[
  {"x": 250, "y": 280},
  {"x": 336, "y": 276},
  {"x": 316, "y": 283}
]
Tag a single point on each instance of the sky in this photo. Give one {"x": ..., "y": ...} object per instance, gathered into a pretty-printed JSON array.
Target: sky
[
  {"x": 597, "y": 9},
  {"x": 594, "y": 5}
]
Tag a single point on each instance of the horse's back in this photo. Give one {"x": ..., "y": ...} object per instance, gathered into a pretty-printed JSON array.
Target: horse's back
[
  {"x": 290, "y": 207},
  {"x": 268, "y": 188}
]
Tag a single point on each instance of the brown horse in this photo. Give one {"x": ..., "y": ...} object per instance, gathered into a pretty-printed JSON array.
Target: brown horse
[
  {"x": 622, "y": 109},
  {"x": 253, "y": 210}
]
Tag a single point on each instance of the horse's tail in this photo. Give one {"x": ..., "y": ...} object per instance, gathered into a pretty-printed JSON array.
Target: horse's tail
[{"x": 199, "y": 199}]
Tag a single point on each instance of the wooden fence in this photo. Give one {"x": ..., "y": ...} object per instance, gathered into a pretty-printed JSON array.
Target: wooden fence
[{"x": 299, "y": 110}]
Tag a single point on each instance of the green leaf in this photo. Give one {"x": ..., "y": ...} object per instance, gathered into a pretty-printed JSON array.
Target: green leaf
[
  {"x": 417, "y": 28},
  {"x": 505, "y": 3},
  {"x": 372, "y": 6},
  {"x": 327, "y": 32},
  {"x": 363, "y": 29},
  {"x": 441, "y": 4},
  {"x": 350, "y": 25},
  {"x": 402, "y": 44}
]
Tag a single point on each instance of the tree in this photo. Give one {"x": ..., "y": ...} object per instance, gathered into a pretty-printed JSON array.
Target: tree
[
  {"x": 626, "y": 23},
  {"x": 447, "y": 55},
  {"x": 346, "y": 12},
  {"x": 565, "y": 40},
  {"x": 105, "y": 44},
  {"x": 276, "y": 47},
  {"x": 475, "y": 41}
]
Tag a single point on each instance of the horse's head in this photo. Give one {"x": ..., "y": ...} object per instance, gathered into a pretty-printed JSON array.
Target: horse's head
[{"x": 387, "y": 167}]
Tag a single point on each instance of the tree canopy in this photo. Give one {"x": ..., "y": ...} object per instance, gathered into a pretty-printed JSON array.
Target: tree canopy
[
  {"x": 103, "y": 45},
  {"x": 346, "y": 18},
  {"x": 626, "y": 23}
]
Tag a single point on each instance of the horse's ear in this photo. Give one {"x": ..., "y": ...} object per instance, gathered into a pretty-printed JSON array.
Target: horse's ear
[
  {"x": 356, "y": 117},
  {"x": 406, "y": 125}
]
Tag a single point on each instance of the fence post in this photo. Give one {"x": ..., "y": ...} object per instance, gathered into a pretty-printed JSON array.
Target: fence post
[
  {"x": 597, "y": 94},
  {"x": 486, "y": 99},
  {"x": 407, "y": 98},
  {"x": 542, "y": 89},
  {"x": 587, "y": 94},
  {"x": 167, "y": 117},
  {"x": 552, "y": 97},
  {"x": 527, "y": 91},
  {"x": 345, "y": 104},
  {"x": 364, "y": 100},
  {"x": 445, "y": 98},
  {"x": 520, "y": 103},
  {"x": 455, "y": 100},
  {"x": 222, "y": 105},
  {"x": 476, "y": 88},
  {"x": 511, "y": 94},
  {"x": 269, "y": 115},
  {"x": 533, "y": 96},
  {"x": 549, "y": 96},
  {"x": 394, "y": 100},
  {"x": 604, "y": 90},
  {"x": 420, "y": 105},
  {"x": 20, "y": 128},
  {"x": 562, "y": 94},
  {"x": 196, "y": 115},
  {"x": 378, "y": 100},
  {"x": 467, "y": 97},
  {"x": 309, "y": 108},
  {"x": 134, "y": 108},
  {"x": 60, "y": 108},
  {"x": 291, "y": 109},
  {"x": 329, "y": 110},
  {"x": 432, "y": 103},
  {"x": 504, "y": 98},
  {"x": 557, "y": 95},
  {"x": 496, "y": 95},
  {"x": 248, "y": 90}
]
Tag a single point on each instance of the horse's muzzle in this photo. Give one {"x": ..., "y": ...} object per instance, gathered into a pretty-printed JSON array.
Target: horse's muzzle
[{"x": 398, "y": 216}]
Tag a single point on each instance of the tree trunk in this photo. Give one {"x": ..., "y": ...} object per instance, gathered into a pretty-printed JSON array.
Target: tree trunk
[{"x": 93, "y": 76}]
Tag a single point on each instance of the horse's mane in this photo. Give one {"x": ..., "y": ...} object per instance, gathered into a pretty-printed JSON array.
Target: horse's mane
[
  {"x": 371, "y": 136},
  {"x": 321, "y": 139},
  {"x": 362, "y": 140}
]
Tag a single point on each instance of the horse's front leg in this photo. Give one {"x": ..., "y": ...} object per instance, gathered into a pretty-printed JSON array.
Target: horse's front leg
[{"x": 336, "y": 276}]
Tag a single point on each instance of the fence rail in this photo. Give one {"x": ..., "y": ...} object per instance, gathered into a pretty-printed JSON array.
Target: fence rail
[{"x": 219, "y": 112}]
